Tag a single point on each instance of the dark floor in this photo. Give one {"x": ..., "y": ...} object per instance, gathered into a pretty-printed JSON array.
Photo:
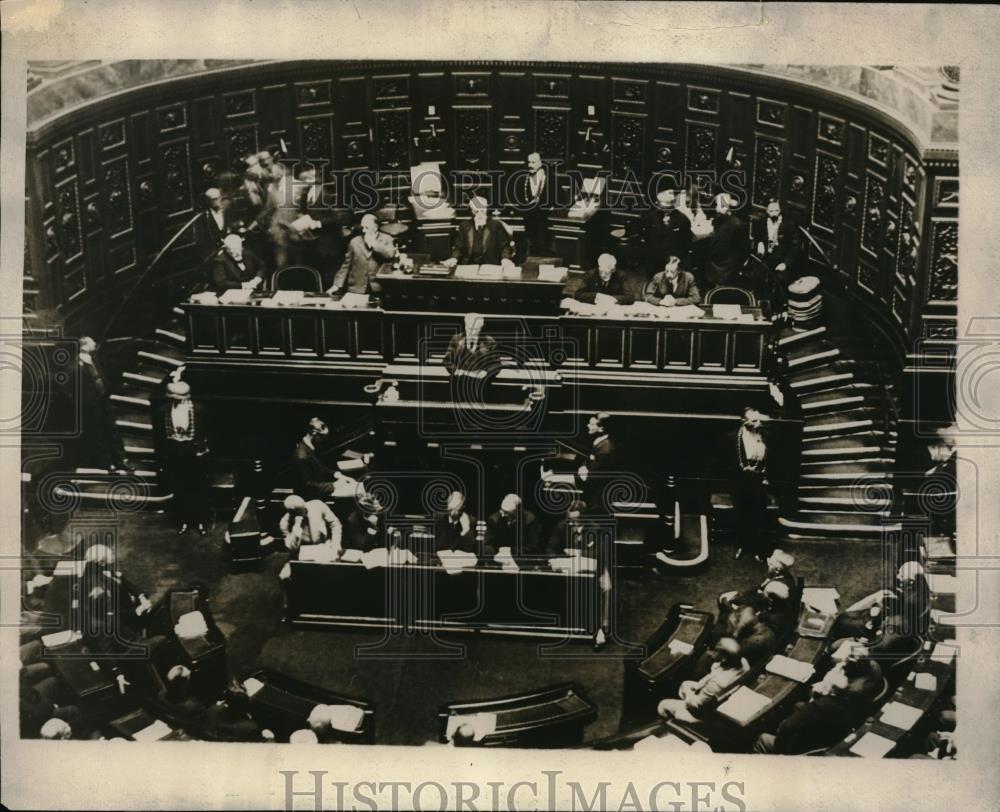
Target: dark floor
[{"x": 409, "y": 677}]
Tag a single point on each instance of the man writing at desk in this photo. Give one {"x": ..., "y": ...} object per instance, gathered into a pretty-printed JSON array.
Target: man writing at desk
[
  {"x": 483, "y": 240},
  {"x": 673, "y": 287},
  {"x": 605, "y": 284}
]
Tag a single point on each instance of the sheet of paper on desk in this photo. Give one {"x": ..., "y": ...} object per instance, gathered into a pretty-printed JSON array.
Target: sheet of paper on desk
[
  {"x": 511, "y": 273},
  {"x": 456, "y": 560},
  {"x": 573, "y": 564},
  {"x": 792, "y": 669},
  {"x": 354, "y": 300},
  {"x": 205, "y": 297},
  {"x": 490, "y": 272},
  {"x": 681, "y": 647},
  {"x": 236, "y": 296},
  {"x": 689, "y": 311},
  {"x": 356, "y": 464},
  {"x": 900, "y": 715},
  {"x": 252, "y": 685},
  {"x": 821, "y": 598},
  {"x": 943, "y": 653},
  {"x": 871, "y": 745},
  {"x": 925, "y": 681},
  {"x": 317, "y": 552},
  {"x": 466, "y": 271},
  {"x": 154, "y": 732},
  {"x": 730, "y": 312},
  {"x": 288, "y": 297},
  {"x": 604, "y": 301},
  {"x": 57, "y": 639},
  {"x": 346, "y": 487},
  {"x": 743, "y": 704},
  {"x": 482, "y": 724},
  {"x": 550, "y": 273}
]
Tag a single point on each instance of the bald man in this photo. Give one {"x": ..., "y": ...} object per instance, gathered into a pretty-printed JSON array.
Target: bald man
[
  {"x": 480, "y": 240},
  {"x": 366, "y": 253},
  {"x": 235, "y": 267},
  {"x": 513, "y": 527}
]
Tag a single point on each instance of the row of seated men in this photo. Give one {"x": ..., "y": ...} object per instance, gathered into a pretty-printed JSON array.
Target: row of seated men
[
  {"x": 130, "y": 636},
  {"x": 269, "y": 221},
  {"x": 873, "y": 640}
]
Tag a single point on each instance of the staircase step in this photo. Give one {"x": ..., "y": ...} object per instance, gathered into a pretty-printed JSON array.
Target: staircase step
[
  {"x": 104, "y": 473},
  {"x": 132, "y": 420},
  {"x": 839, "y": 475},
  {"x": 131, "y": 398},
  {"x": 828, "y": 523},
  {"x": 138, "y": 447},
  {"x": 173, "y": 336},
  {"x": 147, "y": 376},
  {"x": 818, "y": 380},
  {"x": 162, "y": 357},
  {"x": 791, "y": 336},
  {"x": 860, "y": 499},
  {"x": 830, "y": 428},
  {"x": 848, "y": 447},
  {"x": 807, "y": 466},
  {"x": 817, "y": 358},
  {"x": 114, "y": 497}
]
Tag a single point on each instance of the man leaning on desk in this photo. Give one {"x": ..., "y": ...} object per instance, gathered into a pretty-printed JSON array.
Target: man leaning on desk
[
  {"x": 673, "y": 287},
  {"x": 481, "y": 240},
  {"x": 607, "y": 281}
]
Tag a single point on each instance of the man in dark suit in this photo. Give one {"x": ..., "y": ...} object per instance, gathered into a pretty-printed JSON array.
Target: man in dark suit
[
  {"x": 515, "y": 528},
  {"x": 366, "y": 253},
  {"x": 481, "y": 240},
  {"x": 214, "y": 224},
  {"x": 672, "y": 286},
  {"x": 314, "y": 479},
  {"x": 365, "y": 528},
  {"x": 839, "y": 703},
  {"x": 303, "y": 230},
  {"x": 536, "y": 217},
  {"x": 471, "y": 354},
  {"x": 235, "y": 267},
  {"x": 602, "y": 459},
  {"x": 606, "y": 281},
  {"x": 455, "y": 529},
  {"x": 775, "y": 238},
  {"x": 668, "y": 231},
  {"x": 101, "y": 442},
  {"x": 729, "y": 245},
  {"x": 184, "y": 449},
  {"x": 577, "y": 533}
]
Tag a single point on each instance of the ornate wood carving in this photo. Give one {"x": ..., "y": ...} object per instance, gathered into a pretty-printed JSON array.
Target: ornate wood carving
[
  {"x": 112, "y": 134},
  {"x": 176, "y": 190},
  {"x": 824, "y": 212},
  {"x": 878, "y": 149},
  {"x": 703, "y": 100},
  {"x": 312, "y": 93},
  {"x": 701, "y": 146},
  {"x": 552, "y": 87},
  {"x": 867, "y": 277},
  {"x": 943, "y": 278},
  {"x": 70, "y": 238},
  {"x": 117, "y": 197},
  {"x": 513, "y": 143},
  {"x": 472, "y": 141},
  {"x": 767, "y": 171},
  {"x": 239, "y": 104},
  {"x": 392, "y": 137},
  {"x": 830, "y": 129},
  {"x": 627, "y": 145},
  {"x": 172, "y": 118},
  {"x": 63, "y": 156},
  {"x": 946, "y": 192},
  {"x": 872, "y": 220},
  {"x": 907, "y": 246},
  {"x": 467, "y": 85},
  {"x": 771, "y": 113},
  {"x": 241, "y": 143},
  {"x": 316, "y": 138},
  {"x": 552, "y": 134},
  {"x": 624, "y": 90},
  {"x": 392, "y": 87}
]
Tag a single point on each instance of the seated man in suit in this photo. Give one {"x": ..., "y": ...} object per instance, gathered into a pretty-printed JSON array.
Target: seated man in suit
[
  {"x": 672, "y": 286},
  {"x": 839, "y": 703},
  {"x": 366, "y": 254},
  {"x": 235, "y": 267},
  {"x": 779, "y": 570},
  {"x": 749, "y": 626},
  {"x": 481, "y": 240},
  {"x": 309, "y": 522},
  {"x": 668, "y": 231},
  {"x": 576, "y": 534},
  {"x": 697, "y": 697},
  {"x": 455, "y": 529},
  {"x": 314, "y": 479},
  {"x": 909, "y": 603},
  {"x": 365, "y": 528},
  {"x": 513, "y": 528},
  {"x": 775, "y": 239},
  {"x": 605, "y": 285}
]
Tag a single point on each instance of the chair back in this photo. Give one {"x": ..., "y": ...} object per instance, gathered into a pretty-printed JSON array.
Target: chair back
[
  {"x": 297, "y": 277},
  {"x": 726, "y": 294}
]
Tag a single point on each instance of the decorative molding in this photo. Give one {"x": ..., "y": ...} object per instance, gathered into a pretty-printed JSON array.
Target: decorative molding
[
  {"x": 172, "y": 118},
  {"x": 628, "y": 91},
  {"x": 392, "y": 87},
  {"x": 472, "y": 139},
  {"x": 392, "y": 139},
  {"x": 703, "y": 100},
  {"x": 830, "y": 129},
  {"x": 117, "y": 197},
  {"x": 316, "y": 137},
  {"x": 552, "y": 134},
  {"x": 63, "y": 156},
  {"x": 70, "y": 237},
  {"x": 701, "y": 146},
  {"x": 627, "y": 145},
  {"x": 824, "y": 212},
  {"x": 513, "y": 143},
  {"x": 942, "y": 284},
  {"x": 551, "y": 87},
  {"x": 771, "y": 113},
  {"x": 176, "y": 191},
  {"x": 878, "y": 149},
  {"x": 945, "y": 194},
  {"x": 472, "y": 84},
  {"x": 867, "y": 276},
  {"x": 112, "y": 134},
  {"x": 310, "y": 94},
  {"x": 241, "y": 103},
  {"x": 872, "y": 219},
  {"x": 766, "y": 171}
]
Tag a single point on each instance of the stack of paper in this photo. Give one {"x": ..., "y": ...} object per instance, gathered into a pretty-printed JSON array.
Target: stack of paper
[
  {"x": 57, "y": 639},
  {"x": 354, "y": 464},
  {"x": 550, "y": 273},
  {"x": 680, "y": 647},
  {"x": 900, "y": 715},
  {"x": 354, "y": 300},
  {"x": 288, "y": 297},
  {"x": 822, "y": 599},
  {"x": 69, "y": 567},
  {"x": 324, "y": 553},
  {"x": 252, "y": 685},
  {"x": 871, "y": 745},
  {"x": 490, "y": 272},
  {"x": 511, "y": 272},
  {"x": 792, "y": 669},
  {"x": 236, "y": 296},
  {"x": 205, "y": 297},
  {"x": 455, "y": 561},
  {"x": 483, "y": 724},
  {"x": 573, "y": 564},
  {"x": 730, "y": 312},
  {"x": 943, "y": 653},
  {"x": 346, "y": 487},
  {"x": 347, "y": 718},
  {"x": 743, "y": 705},
  {"x": 924, "y": 681},
  {"x": 466, "y": 271},
  {"x": 351, "y": 556},
  {"x": 689, "y": 311}
]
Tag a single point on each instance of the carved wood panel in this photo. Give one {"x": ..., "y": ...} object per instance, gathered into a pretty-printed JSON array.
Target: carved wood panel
[
  {"x": 872, "y": 221},
  {"x": 767, "y": 171},
  {"x": 68, "y": 229},
  {"x": 552, "y": 134},
  {"x": 702, "y": 140},
  {"x": 628, "y": 134},
  {"x": 392, "y": 139},
  {"x": 943, "y": 277},
  {"x": 824, "y": 212},
  {"x": 117, "y": 199},
  {"x": 316, "y": 138},
  {"x": 472, "y": 137},
  {"x": 240, "y": 143},
  {"x": 176, "y": 184}
]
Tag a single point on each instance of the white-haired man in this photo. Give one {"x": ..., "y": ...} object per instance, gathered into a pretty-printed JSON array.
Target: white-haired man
[
  {"x": 455, "y": 528},
  {"x": 472, "y": 353},
  {"x": 235, "y": 267},
  {"x": 480, "y": 240},
  {"x": 513, "y": 527},
  {"x": 366, "y": 254},
  {"x": 605, "y": 285}
]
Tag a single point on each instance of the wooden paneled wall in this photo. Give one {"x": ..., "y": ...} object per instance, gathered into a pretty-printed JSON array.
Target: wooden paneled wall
[{"x": 109, "y": 183}]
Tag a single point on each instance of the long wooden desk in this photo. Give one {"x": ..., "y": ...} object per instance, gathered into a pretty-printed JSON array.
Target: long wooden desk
[{"x": 538, "y": 603}]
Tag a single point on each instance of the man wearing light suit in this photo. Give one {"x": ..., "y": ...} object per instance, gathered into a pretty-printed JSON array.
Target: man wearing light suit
[
  {"x": 366, "y": 253},
  {"x": 672, "y": 286}
]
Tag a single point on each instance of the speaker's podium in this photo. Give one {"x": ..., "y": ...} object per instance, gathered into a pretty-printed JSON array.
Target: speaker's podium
[{"x": 431, "y": 209}]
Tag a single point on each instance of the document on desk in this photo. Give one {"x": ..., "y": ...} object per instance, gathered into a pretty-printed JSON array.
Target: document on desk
[
  {"x": 205, "y": 297},
  {"x": 792, "y": 669},
  {"x": 550, "y": 273},
  {"x": 154, "y": 732},
  {"x": 573, "y": 564},
  {"x": 288, "y": 297},
  {"x": 354, "y": 300},
  {"x": 900, "y": 715},
  {"x": 511, "y": 273},
  {"x": 822, "y": 599},
  {"x": 684, "y": 312},
  {"x": 236, "y": 296},
  {"x": 467, "y": 272},
  {"x": 871, "y": 745},
  {"x": 490, "y": 272},
  {"x": 743, "y": 705},
  {"x": 680, "y": 647},
  {"x": 252, "y": 686},
  {"x": 924, "y": 681},
  {"x": 323, "y": 553},
  {"x": 730, "y": 312},
  {"x": 454, "y": 561}
]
